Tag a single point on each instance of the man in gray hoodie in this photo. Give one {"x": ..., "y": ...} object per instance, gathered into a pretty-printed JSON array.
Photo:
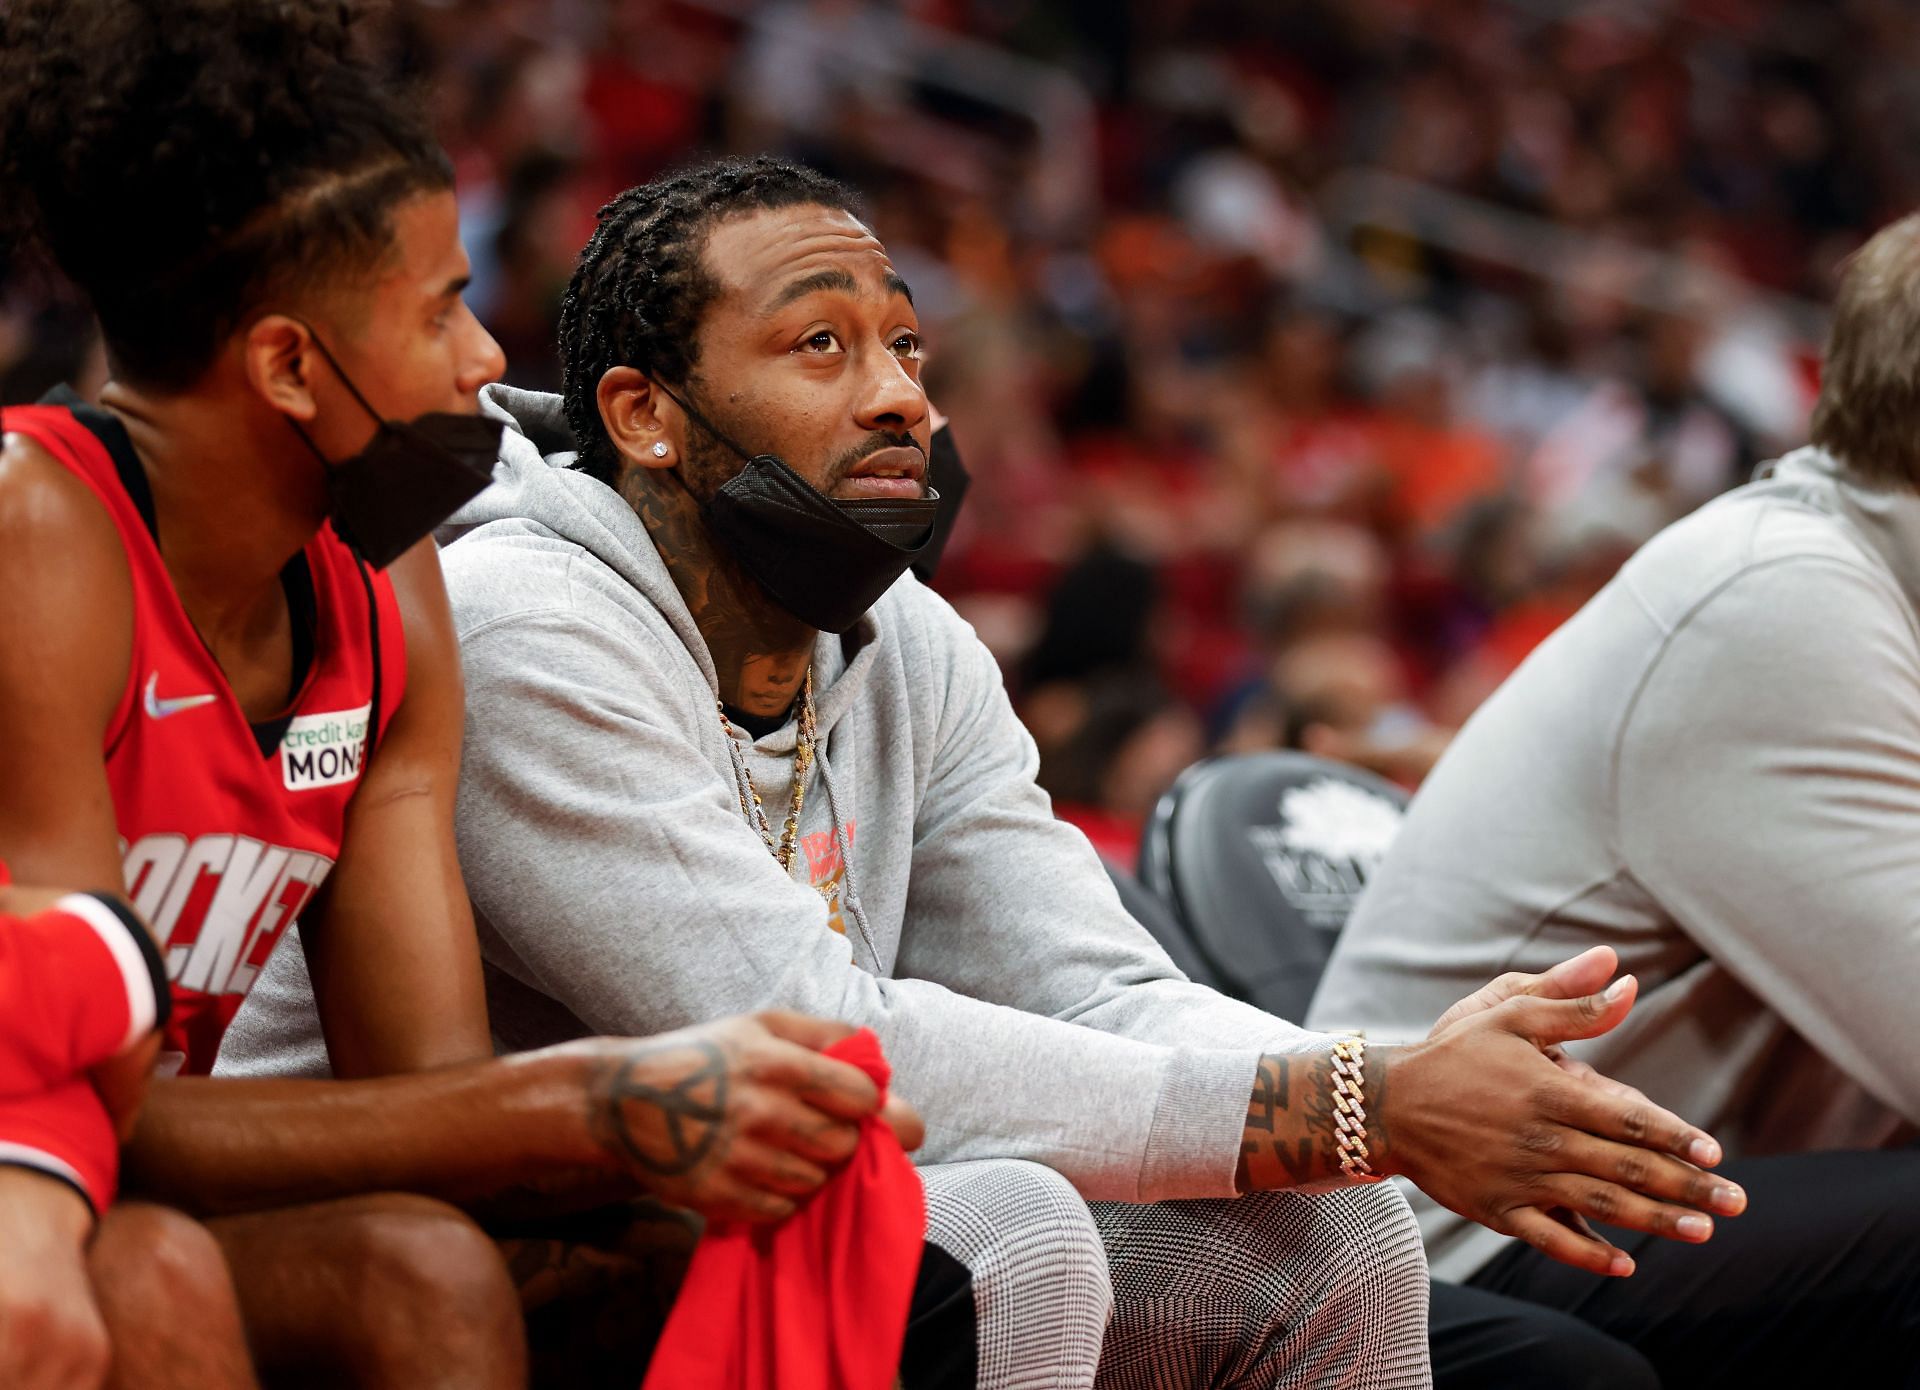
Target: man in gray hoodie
[
  {"x": 1714, "y": 768},
  {"x": 717, "y": 758}
]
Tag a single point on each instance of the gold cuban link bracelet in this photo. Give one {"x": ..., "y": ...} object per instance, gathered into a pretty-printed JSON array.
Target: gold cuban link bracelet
[{"x": 1349, "y": 1106}]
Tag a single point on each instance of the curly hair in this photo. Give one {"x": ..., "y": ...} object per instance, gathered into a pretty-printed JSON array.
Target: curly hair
[
  {"x": 181, "y": 160},
  {"x": 637, "y": 295}
]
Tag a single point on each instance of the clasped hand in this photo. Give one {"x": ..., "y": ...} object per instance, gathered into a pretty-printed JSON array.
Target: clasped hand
[{"x": 743, "y": 1119}]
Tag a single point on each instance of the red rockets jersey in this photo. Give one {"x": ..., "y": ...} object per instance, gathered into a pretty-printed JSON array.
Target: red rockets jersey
[{"x": 228, "y": 828}]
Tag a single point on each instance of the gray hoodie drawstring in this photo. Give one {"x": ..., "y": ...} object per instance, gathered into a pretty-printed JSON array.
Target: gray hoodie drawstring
[{"x": 849, "y": 895}]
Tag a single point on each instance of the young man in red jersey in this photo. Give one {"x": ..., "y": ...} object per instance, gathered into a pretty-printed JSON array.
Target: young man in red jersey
[{"x": 228, "y": 684}]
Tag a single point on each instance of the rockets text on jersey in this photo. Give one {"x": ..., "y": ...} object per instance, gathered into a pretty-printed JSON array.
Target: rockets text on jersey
[{"x": 217, "y": 904}]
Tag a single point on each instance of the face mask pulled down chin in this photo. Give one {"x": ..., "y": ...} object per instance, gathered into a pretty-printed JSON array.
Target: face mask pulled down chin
[
  {"x": 411, "y": 476},
  {"x": 824, "y": 561}
]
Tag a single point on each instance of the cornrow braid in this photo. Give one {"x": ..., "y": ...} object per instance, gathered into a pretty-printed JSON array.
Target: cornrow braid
[{"x": 642, "y": 284}]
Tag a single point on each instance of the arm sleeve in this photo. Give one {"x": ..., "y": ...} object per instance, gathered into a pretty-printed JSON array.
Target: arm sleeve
[
  {"x": 1768, "y": 795},
  {"x": 604, "y": 854},
  {"x": 66, "y": 1133},
  {"x": 79, "y": 983},
  {"x": 1009, "y": 903}
]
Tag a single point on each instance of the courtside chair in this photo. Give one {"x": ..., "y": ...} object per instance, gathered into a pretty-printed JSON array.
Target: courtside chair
[{"x": 1259, "y": 859}]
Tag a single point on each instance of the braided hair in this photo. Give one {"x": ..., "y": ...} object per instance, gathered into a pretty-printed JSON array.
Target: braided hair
[
  {"x": 642, "y": 284},
  {"x": 182, "y": 160}
]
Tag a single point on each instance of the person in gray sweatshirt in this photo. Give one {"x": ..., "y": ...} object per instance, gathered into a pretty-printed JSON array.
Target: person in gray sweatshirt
[
  {"x": 722, "y": 755},
  {"x": 1714, "y": 768}
]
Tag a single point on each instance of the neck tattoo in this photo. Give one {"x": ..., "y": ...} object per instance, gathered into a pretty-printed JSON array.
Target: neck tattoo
[{"x": 781, "y": 849}]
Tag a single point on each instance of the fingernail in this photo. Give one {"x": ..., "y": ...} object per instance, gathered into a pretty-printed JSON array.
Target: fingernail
[
  {"x": 1621, "y": 1265},
  {"x": 1694, "y": 1227},
  {"x": 1730, "y": 1199},
  {"x": 1704, "y": 1152},
  {"x": 1618, "y": 989}
]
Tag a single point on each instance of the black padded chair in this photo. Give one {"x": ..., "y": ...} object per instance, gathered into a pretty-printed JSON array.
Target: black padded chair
[
  {"x": 1155, "y": 916},
  {"x": 1260, "y": 858}
]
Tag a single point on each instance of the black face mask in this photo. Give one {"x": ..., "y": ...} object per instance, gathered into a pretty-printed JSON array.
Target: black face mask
[
  {"x": 824, "y": 561},
  {"x": 949, "y": 480},
  {"x": 411, "y": 476}
]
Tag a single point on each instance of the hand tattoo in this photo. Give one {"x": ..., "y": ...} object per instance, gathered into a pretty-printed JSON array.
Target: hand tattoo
[{"x": 665, "y": 1116}]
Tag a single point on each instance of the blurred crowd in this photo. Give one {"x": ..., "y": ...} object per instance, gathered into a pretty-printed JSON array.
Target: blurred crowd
[{"x": 1313, "y": 359}]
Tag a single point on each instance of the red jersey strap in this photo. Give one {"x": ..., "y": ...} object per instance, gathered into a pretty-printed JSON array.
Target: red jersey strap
[
  {"x": 94, "y": 445},
  {"x": 56, "y": 429},
  {"x": 379, "y": 664}
]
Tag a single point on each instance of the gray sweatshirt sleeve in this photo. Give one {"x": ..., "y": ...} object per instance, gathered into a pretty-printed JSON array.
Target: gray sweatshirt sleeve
[
  {"x": 1042, "y": 928},
  {"x": 1768, "y": 794},
  {"x": 609, "y": 862}
]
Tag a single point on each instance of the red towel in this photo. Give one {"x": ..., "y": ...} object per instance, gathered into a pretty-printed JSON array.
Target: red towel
[{"x": 818, "y": 1302}]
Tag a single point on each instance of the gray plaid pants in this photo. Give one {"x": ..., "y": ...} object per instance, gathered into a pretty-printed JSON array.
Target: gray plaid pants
[{"x": 1274, "y": 1291}]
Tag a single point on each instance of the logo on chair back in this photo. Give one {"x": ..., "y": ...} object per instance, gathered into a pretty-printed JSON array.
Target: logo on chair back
[{"x": 1328, "y": 839}]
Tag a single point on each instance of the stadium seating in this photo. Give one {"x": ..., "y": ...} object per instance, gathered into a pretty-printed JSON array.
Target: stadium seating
[{"x": 1259, "y": 859}]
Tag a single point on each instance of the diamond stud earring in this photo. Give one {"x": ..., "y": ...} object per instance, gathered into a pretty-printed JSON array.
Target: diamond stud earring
[{"x": 659, "y": 451}]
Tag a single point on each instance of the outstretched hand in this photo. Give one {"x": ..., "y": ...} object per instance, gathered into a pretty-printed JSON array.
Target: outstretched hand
[
  {"x": 1587, "y": 973},
  {"x": 1493, "y": 1121}
]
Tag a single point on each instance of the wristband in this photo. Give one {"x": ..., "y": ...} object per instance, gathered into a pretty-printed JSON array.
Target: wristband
[{"x": 149, "y": 998}]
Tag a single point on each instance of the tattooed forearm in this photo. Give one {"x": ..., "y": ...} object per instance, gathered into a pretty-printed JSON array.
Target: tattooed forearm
[
  {"x": 664, "y": 1108},
  {"x": 1290, "y": 1138},
  {"x": 1323, "y": 1127},
  {"x": 1270, "y": 1082},
  {"x": 1379, "y": 1137}
]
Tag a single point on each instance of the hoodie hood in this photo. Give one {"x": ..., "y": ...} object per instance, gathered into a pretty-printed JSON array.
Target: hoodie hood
[{"x": 536, "y": 486}]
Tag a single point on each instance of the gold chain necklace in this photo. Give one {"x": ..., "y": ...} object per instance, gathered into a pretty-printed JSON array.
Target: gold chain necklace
[{"x": 750, "y": 806}]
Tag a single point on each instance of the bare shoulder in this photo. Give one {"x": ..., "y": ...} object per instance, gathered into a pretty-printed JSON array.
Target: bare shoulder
[
  {"x": 66, "y": 608},
  {"x": 429, "y": 721},
  {"x": 418, "y": 585},
  {"x": 47, "y": 513},
  {"x": 421, "y": 592}
]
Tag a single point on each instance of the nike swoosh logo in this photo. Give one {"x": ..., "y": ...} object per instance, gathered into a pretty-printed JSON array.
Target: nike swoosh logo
[{"x": 158, "y": 708}]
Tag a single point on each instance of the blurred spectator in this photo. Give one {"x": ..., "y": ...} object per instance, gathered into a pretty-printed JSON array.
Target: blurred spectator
[{"x": 1122, "y": 744}]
